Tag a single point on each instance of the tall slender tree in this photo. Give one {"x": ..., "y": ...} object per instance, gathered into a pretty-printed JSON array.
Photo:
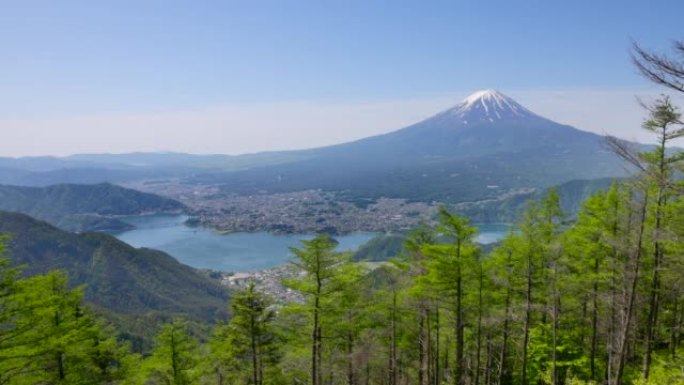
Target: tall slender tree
[
  {"x": 175, "y": 358},
  {"x": 321, "y": 264},
  {"x": 249, "y": 340},
  {"x": 450, "y": 262},
  {"x": 665, "y": 122}
]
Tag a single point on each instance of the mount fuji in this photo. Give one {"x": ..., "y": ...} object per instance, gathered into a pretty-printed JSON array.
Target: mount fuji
[
  {"x": 483, "y": 147},
  {"x": 488, "y": 105}
]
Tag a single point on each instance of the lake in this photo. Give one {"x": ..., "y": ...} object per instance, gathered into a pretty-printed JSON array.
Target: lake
[
  {"x": 202, "y": 247},
  {"x": 491, "y": 232}
]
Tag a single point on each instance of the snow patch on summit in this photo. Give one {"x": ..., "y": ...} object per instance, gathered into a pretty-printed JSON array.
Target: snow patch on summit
[{"x": 488, "y": 106}]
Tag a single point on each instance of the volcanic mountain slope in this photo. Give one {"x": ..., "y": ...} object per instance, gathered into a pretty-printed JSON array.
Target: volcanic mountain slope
[
  {"x": 485, "y": 146},
  {"x": 482, "y": 148}
]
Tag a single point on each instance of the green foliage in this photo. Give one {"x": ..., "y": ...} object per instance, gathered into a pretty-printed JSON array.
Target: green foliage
[
  {"x": 449, "y": 259},
  {"x": 175, "y": 358},
  {"x": 572, "y": 194},
  {"x": 667, "y": 369},
  {"x": 136, "y": 285},
  {"x": 330, "y": 311},
  {"x": 319, "y": 260},
  {"x": 47, "y": 336},
  {"x": 117, "y": 276},
  {"x": 246, "y": 349},
  {"x": 381, "y": 248}
]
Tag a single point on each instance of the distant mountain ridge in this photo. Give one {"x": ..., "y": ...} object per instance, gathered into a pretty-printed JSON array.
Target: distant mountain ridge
[
  {"x": 482, "y": 148},
  {"x": 115, "y": 168},
  {"x": 84, "y": 207}
]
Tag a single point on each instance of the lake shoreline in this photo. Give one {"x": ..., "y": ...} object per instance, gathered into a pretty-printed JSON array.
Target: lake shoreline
[{"x": 203, "y": 247}]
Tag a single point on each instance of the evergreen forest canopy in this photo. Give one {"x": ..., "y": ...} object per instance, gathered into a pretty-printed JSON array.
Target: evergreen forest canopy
[{"x": 599, "y": 300}]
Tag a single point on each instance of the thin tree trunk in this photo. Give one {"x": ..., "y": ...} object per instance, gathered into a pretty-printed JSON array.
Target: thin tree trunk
[
  {"x": 679, "y": 329},
  {"x": 594, "y": 321},
  {"x": 488, "y": 362},
  {"x": 59, "y": 356},
  {"x": 438, "y": 372},
  {"x": 430, "y": 347},
  {"x": 528, "y": 315},
  {"x": 252, "y": 326},
  {"x": 655, "y": 285},
  {"x": 503, "y": 367},
  {"x": 479, "y": 326},
  {"x": 423, "y": 346},
  {"x": 315, "y": 347},
  {"x": 460, "y": 365},
  {"x": 610, "y": 343},
  {"x": 316, "y": 343},
  {"x": 393, "y": 345},
  {"x": 219, "y": 376},
  {"x": 350, "y": 361},
  {"x": 674, "y": 329},
  {"x": 554, "y": 330},
  {"x": 175, "y": 370},
  {"x": 447, "y": 369},
  {"x": 631, "y": 296}
]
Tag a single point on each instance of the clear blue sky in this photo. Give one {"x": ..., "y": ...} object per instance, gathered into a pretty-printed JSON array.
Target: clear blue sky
[{"x": 70, "y": 59}]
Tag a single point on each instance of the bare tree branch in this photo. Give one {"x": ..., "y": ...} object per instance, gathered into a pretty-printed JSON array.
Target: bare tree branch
[
  {"x": 660, "y": 69},
  {"x": 626, "y": 151}
]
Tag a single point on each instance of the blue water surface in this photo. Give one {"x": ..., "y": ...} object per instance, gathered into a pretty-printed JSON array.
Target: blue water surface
[{"x": 202, "y": 247}]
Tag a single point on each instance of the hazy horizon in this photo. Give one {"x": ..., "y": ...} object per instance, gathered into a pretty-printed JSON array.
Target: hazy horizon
[
  {"x": 236, "y": 78},
  {"x": 575, "y": 108}
]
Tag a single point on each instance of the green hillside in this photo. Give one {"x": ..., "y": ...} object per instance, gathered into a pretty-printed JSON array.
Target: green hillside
[
  {"x": 117, "y": 277},
  {"x": 84, "y": 207},
  {"x": 509, "y": 210},
  {"x": 381, "y": 248}
]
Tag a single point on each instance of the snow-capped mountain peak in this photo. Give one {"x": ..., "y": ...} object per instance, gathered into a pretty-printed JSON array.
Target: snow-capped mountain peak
[
  {"x": 488, "y": 106},
  {"x": 484, "y": 97}
]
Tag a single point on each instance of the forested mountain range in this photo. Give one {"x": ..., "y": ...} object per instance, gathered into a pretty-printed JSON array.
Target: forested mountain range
[
  {"x": 510, "y": 209},
  {"x": 117, "y": 277},
  {"x": 84, "y": 207}
]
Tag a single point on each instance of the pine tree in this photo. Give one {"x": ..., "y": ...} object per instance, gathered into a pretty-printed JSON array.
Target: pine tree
[
  {"x": 48, "y": 336},
  {"x": 450, "y": 265},
  {"x": 175, "y": 357},
  {"x": 249, "y": 340},
  {"x": 321, "y": 265},
  {"x": 658, "y": 165}
]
